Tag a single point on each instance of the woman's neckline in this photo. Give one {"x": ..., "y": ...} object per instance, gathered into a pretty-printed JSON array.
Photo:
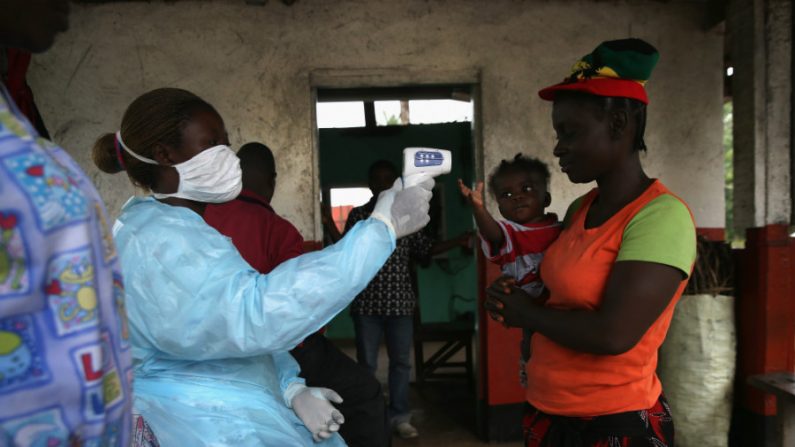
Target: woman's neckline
[{"x": 651, "y": 183}]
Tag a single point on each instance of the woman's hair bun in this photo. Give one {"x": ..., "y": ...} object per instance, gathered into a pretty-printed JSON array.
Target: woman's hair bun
[{"x": 104, "y": 154}]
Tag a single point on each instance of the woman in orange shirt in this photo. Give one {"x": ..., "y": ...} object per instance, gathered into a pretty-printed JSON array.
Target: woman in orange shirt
[{"x": 614, "y": 275}]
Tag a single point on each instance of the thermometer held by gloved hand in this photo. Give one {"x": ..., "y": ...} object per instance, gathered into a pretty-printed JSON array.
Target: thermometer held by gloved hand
[{"x": 422, "y": 163}]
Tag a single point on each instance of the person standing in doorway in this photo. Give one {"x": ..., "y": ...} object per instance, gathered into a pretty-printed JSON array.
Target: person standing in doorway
[{"x": 385, "y": 308}]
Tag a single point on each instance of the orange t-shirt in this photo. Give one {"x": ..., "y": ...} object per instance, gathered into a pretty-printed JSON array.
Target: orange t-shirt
[{"x": 655, "y": 227}]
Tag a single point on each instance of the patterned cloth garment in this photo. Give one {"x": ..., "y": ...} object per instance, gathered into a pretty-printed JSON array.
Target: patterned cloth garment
[
  {"x": 653, "y": 427},
  {"x": 65, "y": 364},
  {"x": 390, "y": 293}
]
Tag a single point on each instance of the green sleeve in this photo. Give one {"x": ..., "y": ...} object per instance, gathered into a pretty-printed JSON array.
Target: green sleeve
[{"x": 662, "y": 232}]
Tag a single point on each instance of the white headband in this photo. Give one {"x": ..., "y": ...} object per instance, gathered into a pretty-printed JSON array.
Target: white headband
[{"x": 129, "y": 151}]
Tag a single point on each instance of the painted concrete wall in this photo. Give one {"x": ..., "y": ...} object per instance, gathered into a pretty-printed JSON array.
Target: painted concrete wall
[
  {"x": 256, "y": 65},
  {"x": 761, "y": 52}
]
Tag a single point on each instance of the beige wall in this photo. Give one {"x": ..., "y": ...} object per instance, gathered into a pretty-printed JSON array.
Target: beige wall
[{"x": 256, "y": 65}]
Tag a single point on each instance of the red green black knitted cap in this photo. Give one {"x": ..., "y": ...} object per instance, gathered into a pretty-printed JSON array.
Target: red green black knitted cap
[{"x": 618, "y": 68}]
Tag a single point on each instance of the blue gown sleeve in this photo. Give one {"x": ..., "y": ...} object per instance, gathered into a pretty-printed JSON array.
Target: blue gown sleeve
[
  {"x": 193, "y": 297},
  {"x": 287, "y": 369}
]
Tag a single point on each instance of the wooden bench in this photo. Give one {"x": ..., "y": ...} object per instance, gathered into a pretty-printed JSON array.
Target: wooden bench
[
  {"x": 456, "y": 336},
  {"x": 781, "y": 385}
]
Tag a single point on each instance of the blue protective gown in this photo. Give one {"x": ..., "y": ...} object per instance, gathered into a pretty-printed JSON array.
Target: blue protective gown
[{"x": 210, "y": 334}]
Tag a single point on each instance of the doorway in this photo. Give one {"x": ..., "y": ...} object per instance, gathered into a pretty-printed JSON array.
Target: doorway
[{"x": 357, "y": 127}]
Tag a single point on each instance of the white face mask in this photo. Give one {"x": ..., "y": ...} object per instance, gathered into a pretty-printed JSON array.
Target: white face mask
[{"x": 211, "y": 176}]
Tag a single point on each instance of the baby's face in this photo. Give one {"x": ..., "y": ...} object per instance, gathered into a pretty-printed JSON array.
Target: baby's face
[{"x": 521, "y": 196}]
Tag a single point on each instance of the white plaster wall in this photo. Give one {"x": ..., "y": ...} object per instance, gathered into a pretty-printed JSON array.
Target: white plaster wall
[{"x": 255, "y": 63}]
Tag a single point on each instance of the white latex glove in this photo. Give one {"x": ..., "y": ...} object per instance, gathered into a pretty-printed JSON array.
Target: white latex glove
[
  {"x": 313, "y": 406},
  {"x": 404, "y": 210}
]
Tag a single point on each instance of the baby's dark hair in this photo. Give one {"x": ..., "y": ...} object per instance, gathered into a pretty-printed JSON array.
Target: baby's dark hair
[{"x": 519, "y": 163}]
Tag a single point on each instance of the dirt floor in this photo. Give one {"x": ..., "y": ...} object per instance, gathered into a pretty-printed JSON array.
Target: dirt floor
[{"x": 443, "y": 412}]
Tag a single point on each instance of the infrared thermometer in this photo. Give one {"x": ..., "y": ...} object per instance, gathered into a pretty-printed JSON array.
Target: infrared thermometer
[{"x": 422, "y": 163}]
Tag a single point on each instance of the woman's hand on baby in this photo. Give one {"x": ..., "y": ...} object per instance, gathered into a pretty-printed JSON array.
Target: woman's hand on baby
[
  {"x": 504, "y": 284},
  {"x": 475, "y": 196},
  {"x": 507, "y": 303}
]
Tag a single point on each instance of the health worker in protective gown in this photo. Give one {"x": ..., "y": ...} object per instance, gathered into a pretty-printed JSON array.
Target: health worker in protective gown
[{"x": 209, "y": 333}]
